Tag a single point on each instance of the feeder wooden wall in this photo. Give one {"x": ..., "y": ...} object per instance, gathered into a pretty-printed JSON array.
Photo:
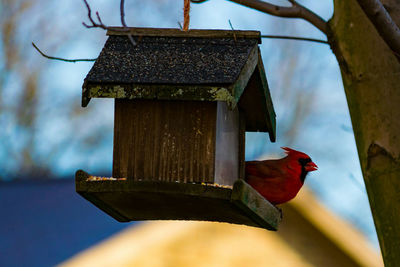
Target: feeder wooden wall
[{"x": 176, "y": 141}]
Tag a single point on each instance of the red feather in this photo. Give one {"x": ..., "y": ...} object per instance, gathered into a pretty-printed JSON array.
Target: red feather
[{"x": 279, "y": 180}]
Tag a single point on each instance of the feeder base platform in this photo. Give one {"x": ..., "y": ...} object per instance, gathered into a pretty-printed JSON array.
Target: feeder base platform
[{"x": 127, "y": 200}]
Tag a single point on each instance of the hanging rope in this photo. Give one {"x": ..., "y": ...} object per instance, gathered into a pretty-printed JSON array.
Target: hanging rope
[{"x": 186, "y": 17}]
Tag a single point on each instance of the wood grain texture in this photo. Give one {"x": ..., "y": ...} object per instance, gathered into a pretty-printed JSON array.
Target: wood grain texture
[{"x": 164, "y": 140}]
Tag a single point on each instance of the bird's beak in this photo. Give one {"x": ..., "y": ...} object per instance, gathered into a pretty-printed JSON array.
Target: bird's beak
[{"x": 311, "y": 166}]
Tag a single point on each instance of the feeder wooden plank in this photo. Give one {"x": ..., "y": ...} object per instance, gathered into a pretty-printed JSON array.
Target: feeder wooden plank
[
  {"x": 245, "y": 73},
  {"x": 255, "y": 206},
  {"x": 130, "y": 200},
  {"x": 104, "y": 207},
  {"x": 255, "y": 98},
  {"x": 242, "y": 146},
  {"x": 271, "y": 117},
  {"x": 193, "y": 33}
]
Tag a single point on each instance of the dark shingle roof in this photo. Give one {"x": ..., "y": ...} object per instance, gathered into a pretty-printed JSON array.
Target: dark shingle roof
[{"x": 163, "y": 60}]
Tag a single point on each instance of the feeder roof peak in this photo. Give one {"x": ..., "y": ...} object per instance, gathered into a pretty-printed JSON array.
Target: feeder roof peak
[{"x": 191, "y": 33}]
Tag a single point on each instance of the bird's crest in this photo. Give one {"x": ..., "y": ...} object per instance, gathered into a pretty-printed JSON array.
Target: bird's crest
[{"x": 293, "y": 152}]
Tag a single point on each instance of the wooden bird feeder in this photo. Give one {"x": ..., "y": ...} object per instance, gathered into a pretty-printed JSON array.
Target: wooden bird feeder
[{"x": 183, "y": 102}]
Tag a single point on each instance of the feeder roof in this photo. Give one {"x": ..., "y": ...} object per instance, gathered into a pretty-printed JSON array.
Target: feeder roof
[{"x": 204, "y": 65}]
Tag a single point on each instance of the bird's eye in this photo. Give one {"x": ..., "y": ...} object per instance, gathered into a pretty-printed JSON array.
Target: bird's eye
[{"x": 304, "y": 161}]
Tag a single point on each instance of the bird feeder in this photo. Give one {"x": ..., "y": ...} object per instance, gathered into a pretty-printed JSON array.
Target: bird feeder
[{"x": 183, "y": 102}]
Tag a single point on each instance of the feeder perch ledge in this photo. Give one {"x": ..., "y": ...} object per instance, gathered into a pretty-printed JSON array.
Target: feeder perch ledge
[{"x": 127, "y": 200}]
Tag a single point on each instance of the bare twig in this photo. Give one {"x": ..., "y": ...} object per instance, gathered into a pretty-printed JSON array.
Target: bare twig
[
  {"x": 122, "y": 11},
  {"x": 233, "y": 30},
  {"x": 283, "y": 36},
  {"x": 295, "y": 11},
  {"x": 62, "y": 59},
  {"x": 101, "y": 25},
  {"x": 121, "y": 7},
  {"x": 94, "y": 24},
  {"x": 383, "y": 23},
  {"x": 295, "y": 38},
  {"x": 131, "y": 39}
]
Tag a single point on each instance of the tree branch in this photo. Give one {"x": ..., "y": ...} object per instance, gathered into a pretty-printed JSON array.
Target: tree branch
[
  {"x": 295, "y": 11},
  {"x": 383, "y": 23},
  {"x": 62, "y": 59}
]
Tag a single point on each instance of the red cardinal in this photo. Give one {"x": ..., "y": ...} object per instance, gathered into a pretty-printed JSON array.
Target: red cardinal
[{"x": 280, "y": 180}]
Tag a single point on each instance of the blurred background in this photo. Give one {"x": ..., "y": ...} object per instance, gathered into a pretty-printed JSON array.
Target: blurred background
[{"x": 45, "y": 135}]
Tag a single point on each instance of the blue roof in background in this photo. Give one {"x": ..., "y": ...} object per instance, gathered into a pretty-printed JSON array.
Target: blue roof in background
[{"x": 45, "y": 222}]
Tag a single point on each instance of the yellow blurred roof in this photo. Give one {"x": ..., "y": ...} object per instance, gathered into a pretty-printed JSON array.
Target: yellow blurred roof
[{"x": 309, "y": 235}]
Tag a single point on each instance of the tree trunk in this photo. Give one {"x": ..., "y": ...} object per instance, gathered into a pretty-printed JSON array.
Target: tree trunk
[{"x": 371, "y": 78}]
